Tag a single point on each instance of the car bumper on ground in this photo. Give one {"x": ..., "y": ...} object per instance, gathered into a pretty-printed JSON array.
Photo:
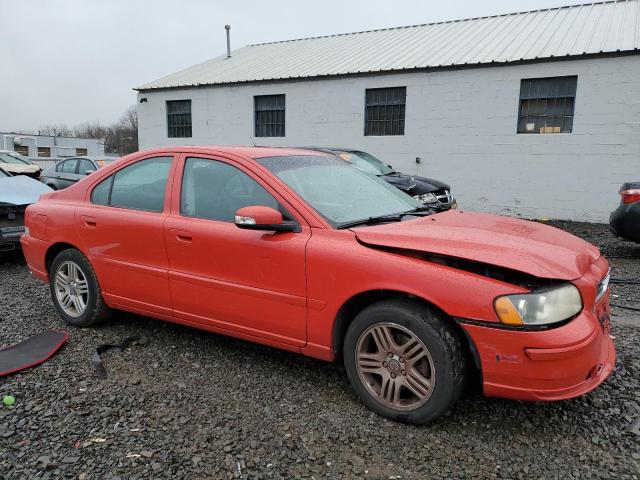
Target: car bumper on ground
[{"x": 555, "y": 364}]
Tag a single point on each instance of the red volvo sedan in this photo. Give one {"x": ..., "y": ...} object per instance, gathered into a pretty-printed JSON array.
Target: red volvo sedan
[{"x": 299, "y": 250}]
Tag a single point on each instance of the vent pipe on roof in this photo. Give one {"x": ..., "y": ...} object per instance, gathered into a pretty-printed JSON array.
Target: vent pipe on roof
[{"x": 228, "y": 29}]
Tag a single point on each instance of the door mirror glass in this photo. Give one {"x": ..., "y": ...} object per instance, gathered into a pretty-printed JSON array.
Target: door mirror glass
[{"x": 259, "y": 217}]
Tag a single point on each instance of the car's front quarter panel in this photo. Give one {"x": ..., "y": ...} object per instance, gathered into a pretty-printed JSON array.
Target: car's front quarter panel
[
  {"x": 553, "y": 363},
  {"x": 339, "y": 268}
]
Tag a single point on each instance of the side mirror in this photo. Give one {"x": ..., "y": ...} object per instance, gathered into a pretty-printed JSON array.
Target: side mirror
[
  {"x": 88, "y": 172},
  {"x": 258, "y": 217}
]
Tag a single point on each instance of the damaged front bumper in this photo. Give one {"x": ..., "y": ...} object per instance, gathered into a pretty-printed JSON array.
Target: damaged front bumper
[
  {"x": 555, "y": 364},
  {"x": 11, "y": 225}
]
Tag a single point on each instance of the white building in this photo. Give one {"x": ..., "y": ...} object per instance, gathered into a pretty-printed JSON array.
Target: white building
[
  {"x": 49, "y": 146},
  {"x": 534, "y": 114}
]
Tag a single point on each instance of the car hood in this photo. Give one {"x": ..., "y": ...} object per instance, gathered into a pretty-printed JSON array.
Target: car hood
[
  {"x": 21, "y": 190},
  {"x": 414, "y": 185},
  {"x": 13, "y": 168},
  {"x": 528, "y": 247}
]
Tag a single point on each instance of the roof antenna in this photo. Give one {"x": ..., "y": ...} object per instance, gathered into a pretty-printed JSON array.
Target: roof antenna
[
  {"x": 228, "y": 29},
  {"x": 252, "y": 142}
]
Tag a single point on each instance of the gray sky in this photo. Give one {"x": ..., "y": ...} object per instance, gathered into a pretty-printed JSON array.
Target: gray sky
[{"x": 76, "y": 61}]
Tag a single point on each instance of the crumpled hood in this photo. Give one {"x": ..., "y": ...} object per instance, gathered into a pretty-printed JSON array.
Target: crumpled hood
[
  {"x": 21, "y": 190},
  {"x": 528, "y": 247}
]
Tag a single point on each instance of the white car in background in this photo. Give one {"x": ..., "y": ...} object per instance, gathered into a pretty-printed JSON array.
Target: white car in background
[
  {"x": 17, "y": 164},
  {"x": 17, "y": 192}
]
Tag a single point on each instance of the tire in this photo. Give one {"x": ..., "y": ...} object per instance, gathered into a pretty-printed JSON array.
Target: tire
[
  {"x": 89, "y": 308},
  {"x": 416, "y": 389}
]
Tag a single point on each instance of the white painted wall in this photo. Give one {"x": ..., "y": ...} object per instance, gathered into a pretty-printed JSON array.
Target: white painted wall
[
  {"x": 461, "y": 123},
  {"x": 60, "y": 146}
]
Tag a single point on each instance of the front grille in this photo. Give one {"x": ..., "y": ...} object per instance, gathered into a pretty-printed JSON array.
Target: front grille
[{"x": 443, "y": 196}]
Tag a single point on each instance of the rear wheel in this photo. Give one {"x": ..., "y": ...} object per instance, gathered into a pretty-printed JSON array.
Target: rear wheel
[
  {"x": 404, "y": 360},
  {"x": 75, "y": 291}
]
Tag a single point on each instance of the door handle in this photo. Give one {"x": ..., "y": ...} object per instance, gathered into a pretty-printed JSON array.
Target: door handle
[
  {"x": 89, "y": 222},
  {"x": 183, "y": 236}
]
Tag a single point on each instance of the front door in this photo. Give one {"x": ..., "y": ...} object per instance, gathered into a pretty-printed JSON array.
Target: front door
[
  {"x": 249, "y": 282},
  {"x": 121, "y": 227}
]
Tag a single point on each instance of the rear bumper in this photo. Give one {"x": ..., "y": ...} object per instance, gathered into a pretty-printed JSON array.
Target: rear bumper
[
  {"x": 35, "y": 252},
  {"x": 556, "y": 364},
  {"x": 625, "y": 222}
]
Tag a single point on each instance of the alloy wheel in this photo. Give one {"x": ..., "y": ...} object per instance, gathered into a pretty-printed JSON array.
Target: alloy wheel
[
  {"x": 72, "y": 289},
  {"x": 395, "y": 366}
]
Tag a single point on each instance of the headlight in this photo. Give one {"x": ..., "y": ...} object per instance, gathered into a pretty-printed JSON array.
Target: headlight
[
  {"x": 539, "y": 308},
  {"x": 426, "y": 198}
]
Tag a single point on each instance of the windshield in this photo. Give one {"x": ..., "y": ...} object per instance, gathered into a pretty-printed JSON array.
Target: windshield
[
  {"x": 366, "y": 162},
  {"x": 340, "y": 193},
  {"x": 14, "y": 158}
]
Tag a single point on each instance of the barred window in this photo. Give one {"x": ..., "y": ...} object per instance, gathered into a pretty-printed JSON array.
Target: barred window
[
  {"x": 21, "y": 149},
  {"x": 269, "y": 115},
  {"x": 44, "y": 152},
  {"x": 384, "y": 111},
  {"x": 547, "y": 105},
  {"x": 179, "y": 118},
  {"x": 81, "y": 151}
]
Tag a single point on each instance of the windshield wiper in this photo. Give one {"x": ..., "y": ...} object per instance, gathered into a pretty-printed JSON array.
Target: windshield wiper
[{"x": 420, "y": 212}]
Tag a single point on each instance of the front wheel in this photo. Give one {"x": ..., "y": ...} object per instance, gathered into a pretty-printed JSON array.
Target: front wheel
[
  {"x": 75, "y": 291},
  {"x": 404, "y": 360}
]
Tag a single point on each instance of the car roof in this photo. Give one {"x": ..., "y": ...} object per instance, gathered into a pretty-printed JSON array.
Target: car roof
[
  {"x": 251, "y": 152},
  {"x": 333, "y": 149},
  {"x": 91, "y": 157}
]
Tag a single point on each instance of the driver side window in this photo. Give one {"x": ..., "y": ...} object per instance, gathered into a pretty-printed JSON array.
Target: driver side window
[{"x": 215, "y": 190}]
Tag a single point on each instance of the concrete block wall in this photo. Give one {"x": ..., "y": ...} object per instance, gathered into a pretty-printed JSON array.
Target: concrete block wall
[{"x": 462, "y": 123}]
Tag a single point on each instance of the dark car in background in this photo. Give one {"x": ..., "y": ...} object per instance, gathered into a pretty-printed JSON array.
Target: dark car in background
[
  {"x": 433, "y": 193},
  {"x": 625, "y": 220},
  {"x": 71, "y": 170},
  {"x": 16, "y": 193}
]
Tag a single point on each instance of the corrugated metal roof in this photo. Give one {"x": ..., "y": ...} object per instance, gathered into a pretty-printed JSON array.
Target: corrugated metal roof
[{"x": 593, "y": 28}]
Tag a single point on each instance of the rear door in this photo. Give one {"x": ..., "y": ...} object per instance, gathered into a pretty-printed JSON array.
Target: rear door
[
  {"x": 121, "y": 225},
  {"x": 250, "y": 282}
]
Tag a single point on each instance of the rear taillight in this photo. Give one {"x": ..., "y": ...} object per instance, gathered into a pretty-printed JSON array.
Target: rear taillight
[{"x": 630, "y": 196}]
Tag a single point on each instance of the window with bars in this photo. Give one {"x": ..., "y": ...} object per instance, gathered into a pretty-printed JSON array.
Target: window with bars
[
  {"x": 547, "y": 105},
  {"x": 44, "y": 152},
  {"x": 179, "y": 118},
  {"x": 269, "y": 115},
  {"x": 384, "y": 111},
  {"x": 21, "y": 149},
  {"x": 81, "y": 151}
]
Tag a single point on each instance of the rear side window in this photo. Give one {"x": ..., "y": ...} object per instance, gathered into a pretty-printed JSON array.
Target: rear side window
[
  {"x": 100, "y": 194},
  {"x": 140, "y": 186}
]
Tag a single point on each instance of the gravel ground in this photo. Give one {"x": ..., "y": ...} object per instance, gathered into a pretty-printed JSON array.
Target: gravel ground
[{"x": 191, "y": 404}]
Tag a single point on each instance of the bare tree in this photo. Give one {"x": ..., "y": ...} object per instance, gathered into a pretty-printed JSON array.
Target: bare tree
[{"x": 120, "y": 137}]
